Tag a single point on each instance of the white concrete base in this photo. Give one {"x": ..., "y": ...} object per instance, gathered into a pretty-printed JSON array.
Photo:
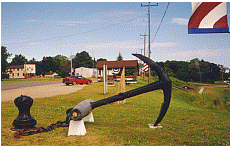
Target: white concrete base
[
  {"x": 157, "y": 126},
  {"x": 77, "y": 127},
  {"x": 89, "y": 118}
]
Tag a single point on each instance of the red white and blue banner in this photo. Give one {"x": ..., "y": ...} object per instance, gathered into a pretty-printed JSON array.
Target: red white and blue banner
[
  {"x": 116, "y": 70},
  {"x": 144, "y": 68},
  {"x": 208, "y": 17}
]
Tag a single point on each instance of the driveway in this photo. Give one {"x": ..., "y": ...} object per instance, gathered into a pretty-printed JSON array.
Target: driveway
[
  {"x": 47, "y": 90},
  {"x": 8, "y": 86}
]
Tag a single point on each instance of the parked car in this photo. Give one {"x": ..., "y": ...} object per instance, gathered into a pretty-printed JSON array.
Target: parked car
[
  {"x": 57, "y": 76},
  {"x": 76, "y": 80}
]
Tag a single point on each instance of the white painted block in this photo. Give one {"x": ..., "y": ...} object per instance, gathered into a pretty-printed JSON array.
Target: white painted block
[
  {"x": 76, "y": 128},
  {"x": 157, "y": 126},
  {"x": 89, "y": 118}
]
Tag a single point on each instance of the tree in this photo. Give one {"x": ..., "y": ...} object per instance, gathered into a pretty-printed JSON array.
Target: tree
[
  {"x": 64, "y": 68},
  {"x": 82, "y": 59},
  {"x": 58, "y": 60},
  {"x": 119, "y": 58},
  {"x": 101, "y": 59},
  {"x": 19, "y": 60},
  {"x": 48, "y": 64},
  {"x": 4, "y": 63},
  {"x": 39, "y": 69},
  {"x": 62, "y": 64},
  {"x": 32, "y": 61}
]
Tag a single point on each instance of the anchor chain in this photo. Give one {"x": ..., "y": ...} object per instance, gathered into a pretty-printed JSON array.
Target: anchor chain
[{"x": 32, "y": 131}]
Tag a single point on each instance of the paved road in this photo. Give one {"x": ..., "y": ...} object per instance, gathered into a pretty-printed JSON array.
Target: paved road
[
  {"x": 9, "y": 86},
  {"x": 9, "y": 91}
]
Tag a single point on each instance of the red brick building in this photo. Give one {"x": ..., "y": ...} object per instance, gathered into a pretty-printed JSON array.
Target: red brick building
[{"x": 114, "y": 68}]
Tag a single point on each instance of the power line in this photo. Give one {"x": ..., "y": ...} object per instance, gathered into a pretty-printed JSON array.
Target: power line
[
  {"x": 161, "y": 21},
  {"x": 77, "y": 33}
]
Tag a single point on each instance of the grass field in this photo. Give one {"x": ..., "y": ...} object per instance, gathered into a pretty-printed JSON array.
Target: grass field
[{"x": 186, "y": 122}]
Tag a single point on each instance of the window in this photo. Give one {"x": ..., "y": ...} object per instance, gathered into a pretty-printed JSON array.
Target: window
[{"x": 18, "y": 73}]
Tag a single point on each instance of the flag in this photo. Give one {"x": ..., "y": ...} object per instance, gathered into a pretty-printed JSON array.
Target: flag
[
  {"x": 144, "y": 68},
  {"x": 208, "y": 17}
]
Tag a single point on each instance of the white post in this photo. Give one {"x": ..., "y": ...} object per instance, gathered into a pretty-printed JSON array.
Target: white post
[{"x": 105, "y": 78}]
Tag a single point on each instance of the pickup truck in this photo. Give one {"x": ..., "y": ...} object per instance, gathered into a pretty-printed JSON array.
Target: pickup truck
[{"x": 76, "y": 80}]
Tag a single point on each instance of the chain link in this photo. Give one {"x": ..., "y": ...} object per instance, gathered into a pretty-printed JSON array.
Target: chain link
[{"x": 26, "y": 132}]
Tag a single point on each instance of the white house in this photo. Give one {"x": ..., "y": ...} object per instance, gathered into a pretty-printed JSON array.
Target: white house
[
  {"x": 21, "y": 71},
  {"x": 86, "y": 72}
]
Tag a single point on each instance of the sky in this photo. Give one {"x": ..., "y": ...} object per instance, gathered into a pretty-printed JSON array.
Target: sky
[{"x": 104, "y": 29}]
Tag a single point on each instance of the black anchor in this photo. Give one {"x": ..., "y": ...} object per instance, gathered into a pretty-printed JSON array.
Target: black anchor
[{"x": 85, "y": 107}]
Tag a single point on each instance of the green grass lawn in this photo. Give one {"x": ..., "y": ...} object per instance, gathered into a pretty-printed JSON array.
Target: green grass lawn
[{"x": 186, "y": 122}]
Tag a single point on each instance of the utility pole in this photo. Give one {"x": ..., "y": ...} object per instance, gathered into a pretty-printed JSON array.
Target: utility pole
[
  {"x": 144, "y": 50},
  {"x": 149, "y": 30},
  {"x": 71, "y": 65}
]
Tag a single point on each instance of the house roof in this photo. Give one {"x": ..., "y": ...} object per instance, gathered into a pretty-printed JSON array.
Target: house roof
[
  {"x": 50, "y": 73},
  {"x": 15, "y": 67},
  {"x": 118, "y": 64}
]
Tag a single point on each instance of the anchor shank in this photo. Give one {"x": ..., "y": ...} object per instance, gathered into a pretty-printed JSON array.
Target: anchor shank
[{"x": 121, "y": 96}]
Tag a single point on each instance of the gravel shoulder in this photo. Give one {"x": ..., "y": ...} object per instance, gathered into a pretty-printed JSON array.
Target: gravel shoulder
[{"x": 40, "y": 91}]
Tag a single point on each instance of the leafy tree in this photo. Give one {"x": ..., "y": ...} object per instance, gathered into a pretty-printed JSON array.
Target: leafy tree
[
  {"x": 19, "y": 60},
  {"x": 182, "y": 74},
  {"x": 58, "y": 59},
  {"x": 39, "y": 68},
  {"x": 82, "y": 59},
  {"x": 119, "y": 58},
  {"x": 4, "y": 63},
  {"x": 62, "y": 64},
  {"x": 32, "y": 61},
  {"x": 101, "y": 59},
  {"x": 195, "y": 70},
  {"x": 48, "y": 64},
  {"x": 64, "y": 68}
]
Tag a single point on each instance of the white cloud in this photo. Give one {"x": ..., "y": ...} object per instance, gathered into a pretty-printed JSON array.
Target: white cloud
[{"x": 180, "y": 21}]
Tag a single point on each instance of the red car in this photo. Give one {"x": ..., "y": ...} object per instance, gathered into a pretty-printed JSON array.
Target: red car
[{"x": 76, "y": 80}]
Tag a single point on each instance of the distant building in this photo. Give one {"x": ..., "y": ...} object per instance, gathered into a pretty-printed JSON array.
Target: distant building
[
  {"x": 115, "y": 68},
  {"x": 21, "y": 71},
  {"x": 50, "y": 74},
  {"x": 86, "y": 72}
]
